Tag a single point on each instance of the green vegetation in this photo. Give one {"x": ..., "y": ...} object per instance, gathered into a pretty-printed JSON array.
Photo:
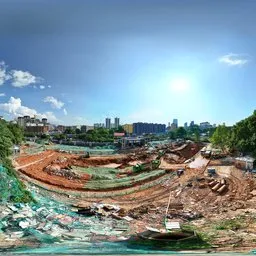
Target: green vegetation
[
  {"x": 124, "y": 182},
  {"x": 241, "y": 137},
  {"x": 232, "y": 224},
  {"x": 96, "y": 135},
  {"x": 142, "y": 167},
  {"x": 181, "y": 133},
  {"x": 221, "y": 137},
  {"x": 191, "y": 133},
  {"x": 17, "y": 132},
  {"x": 98, "y": 173},
  {"x": 12, "y": 189}
]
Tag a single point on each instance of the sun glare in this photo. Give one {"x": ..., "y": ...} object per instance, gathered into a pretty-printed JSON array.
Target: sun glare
[{"x": 180, "y": 85}]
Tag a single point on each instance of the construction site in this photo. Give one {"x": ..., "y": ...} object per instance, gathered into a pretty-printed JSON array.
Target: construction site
[{"x": 120, "y": 195}]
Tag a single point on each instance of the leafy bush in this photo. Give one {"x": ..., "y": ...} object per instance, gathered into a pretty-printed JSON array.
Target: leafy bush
[{"x": 12, "y": 189}]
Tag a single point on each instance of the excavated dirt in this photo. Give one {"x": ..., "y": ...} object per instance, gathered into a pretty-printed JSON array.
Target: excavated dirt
[
  {"x": 53, "y": 167},
  {"x": 147, "y": 202}
]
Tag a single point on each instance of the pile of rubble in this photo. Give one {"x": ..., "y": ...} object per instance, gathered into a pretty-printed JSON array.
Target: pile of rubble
[
  {"x": 50, "y": 223},
  {"x": 186, "y": 216},
  {"x": 55, "y": 169},
  {"x": 105, "y": 210}
]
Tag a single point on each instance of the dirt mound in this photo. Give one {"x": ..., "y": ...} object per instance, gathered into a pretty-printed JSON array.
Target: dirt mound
[
  {"x": 190, "y": 150},
  {"x": 58, "y": 171}
]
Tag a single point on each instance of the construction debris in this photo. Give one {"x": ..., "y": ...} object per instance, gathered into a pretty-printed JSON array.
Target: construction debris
[{"x": 58, "y": 171}]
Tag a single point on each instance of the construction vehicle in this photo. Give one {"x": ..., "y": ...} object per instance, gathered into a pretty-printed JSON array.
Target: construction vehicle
[
  {"x": 206, "y": 153},
  {"x": 86, "y": 155},
  {"x": 211, "y": 172},
  {"x": 153, "y": 165}
]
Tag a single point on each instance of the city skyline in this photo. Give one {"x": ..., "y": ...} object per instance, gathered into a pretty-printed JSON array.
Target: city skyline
[
  {"x": 148, "y": 66},
  {"x": 108, "y": 124}
]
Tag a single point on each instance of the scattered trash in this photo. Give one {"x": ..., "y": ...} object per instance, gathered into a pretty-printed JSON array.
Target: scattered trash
[
  {"x": 127, "y": 218},
  {"x": 24, "y": 224}
]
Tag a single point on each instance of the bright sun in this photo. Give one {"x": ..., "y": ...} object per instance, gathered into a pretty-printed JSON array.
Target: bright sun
[{"x": 180, "y": 85}]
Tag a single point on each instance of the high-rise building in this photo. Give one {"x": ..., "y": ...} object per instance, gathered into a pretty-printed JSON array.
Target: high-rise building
[
  {"x": 86, "y": 128},
  {"x": 26, "y": 120},
  {"x": 33, "y": 125},
  {"x": 205, "y": 125},
  {"x": 20, "y": 121},
  {"x": 108, "y": 123},
  {"x": 141, "y": 128},
  {"x": 98, "y": 125},
  {"x": 192, "y": 123},
  {"x": 44, "y": 121},
  {"x": 173, "y": 127},
  {"x": 117, "y": 122},
  {"x": 128, "y": 128},
  {"x": 175, "y": 121},
  {"x": 61, "y": 128},
  {"x": 186, "y": 125}
]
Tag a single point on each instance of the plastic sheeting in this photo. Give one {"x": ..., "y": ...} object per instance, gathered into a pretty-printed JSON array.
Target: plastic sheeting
[{"x": 9, "y": 186}]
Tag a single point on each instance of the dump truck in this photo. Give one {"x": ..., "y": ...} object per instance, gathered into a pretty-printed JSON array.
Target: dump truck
[{"x": 206, "y": 153}]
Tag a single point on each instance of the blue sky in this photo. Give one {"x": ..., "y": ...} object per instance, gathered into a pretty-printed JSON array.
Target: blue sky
[{"x": 77, "y": 62}]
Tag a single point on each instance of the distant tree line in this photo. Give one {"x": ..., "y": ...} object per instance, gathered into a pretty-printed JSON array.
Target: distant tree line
[
  {"x": 192, "y": 133},
  {"x": 96, "y": 135}
]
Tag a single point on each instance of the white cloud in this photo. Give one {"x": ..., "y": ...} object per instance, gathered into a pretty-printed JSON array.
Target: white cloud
[
  {"x": 65, "y": 112},
  {"x": 2, "y": 94},
  {"x": 15, "y": 108},
  {"x": 54, "y": 102},
  {"x": 42, "y": 87},
  {"x": 34, "y": 86},
  {"x": 22, "y": 78},
  {"x": 49, "y": 86},
  {"x": 233, "y": 59},
  {"x": 4, "y": 76}
]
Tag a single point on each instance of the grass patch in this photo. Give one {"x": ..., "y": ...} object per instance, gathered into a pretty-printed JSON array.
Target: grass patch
[
  {"x": 123, "y": 182},
  {"x": 232, "y": 224}
]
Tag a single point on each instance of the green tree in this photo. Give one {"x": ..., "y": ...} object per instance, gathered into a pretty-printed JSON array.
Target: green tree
[
  {"x": 243, "y": 137},
  {"x": 197, "y": 135},
  {"x": 181, "y": 133},
  {"x": 15, "y": 187},
  {"x": 18, "y": 133},
  {"x": 98, "y": 135},
  {"x": 172, "y": 135},
  {"x": 119, "y": 129},
  {"x": 77, "y": 131},
  {"x": 69, "y": 131},
  {"x": 221, "y": 137},
  {"x": 6, "y": 140}
]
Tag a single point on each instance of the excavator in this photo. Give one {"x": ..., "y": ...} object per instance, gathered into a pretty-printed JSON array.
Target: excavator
[{"x": 153, "y": 165}]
